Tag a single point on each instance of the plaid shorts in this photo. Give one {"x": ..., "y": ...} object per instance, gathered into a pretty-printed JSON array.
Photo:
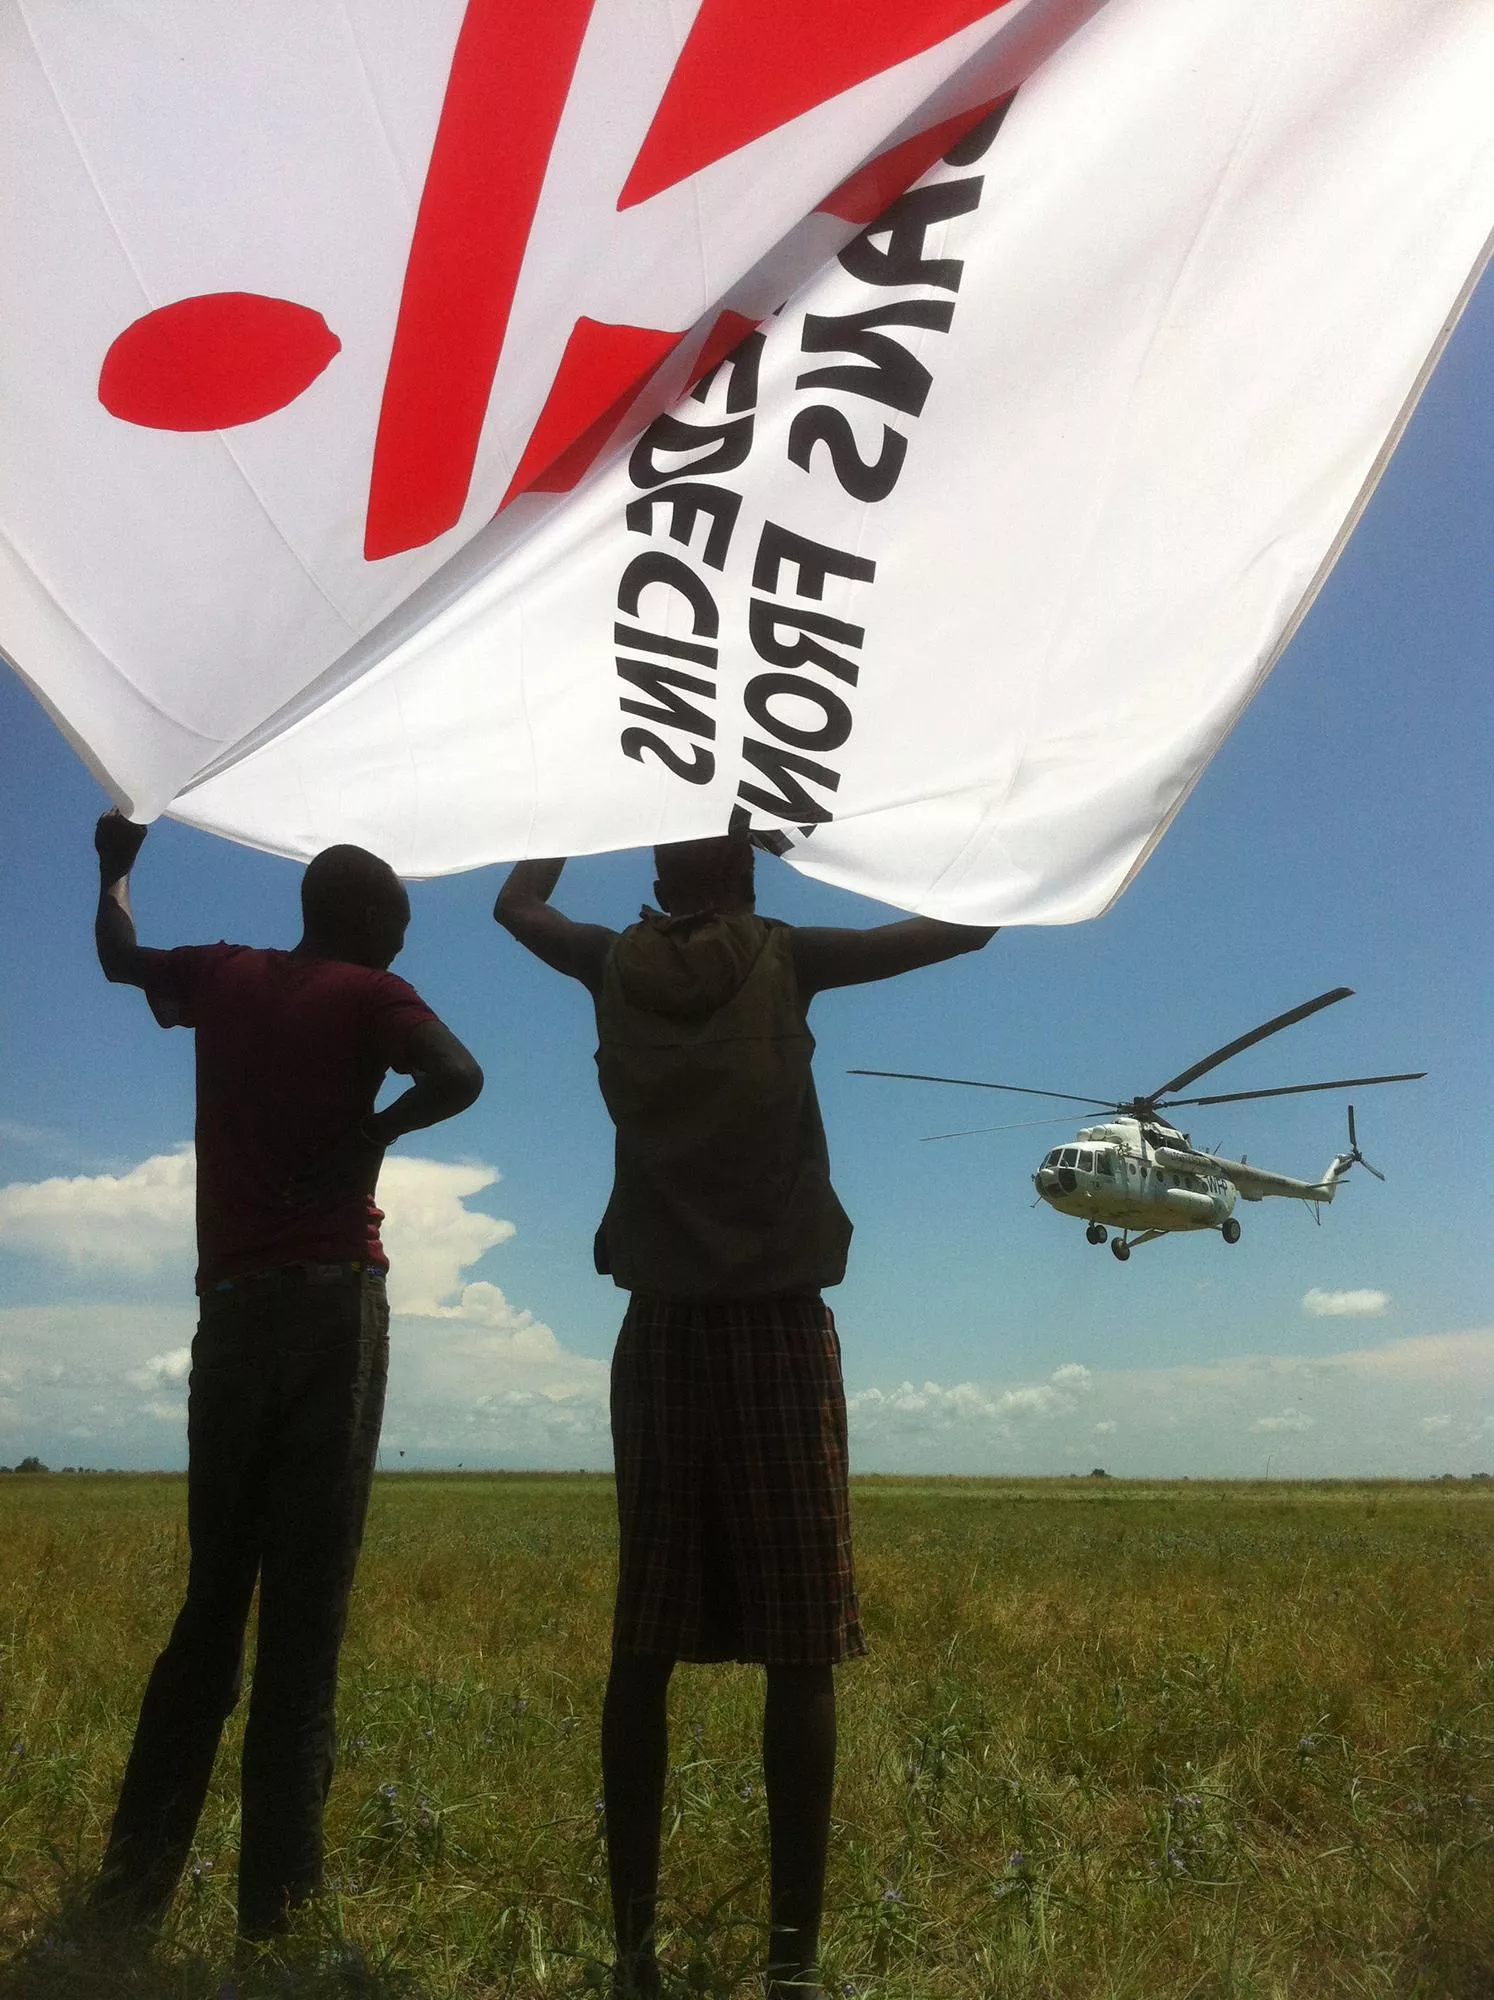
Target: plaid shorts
[{"x": 729, "y": 1438}]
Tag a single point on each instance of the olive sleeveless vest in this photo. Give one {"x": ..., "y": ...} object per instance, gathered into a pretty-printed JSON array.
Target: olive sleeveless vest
[{"x": 722, "y": 1183}]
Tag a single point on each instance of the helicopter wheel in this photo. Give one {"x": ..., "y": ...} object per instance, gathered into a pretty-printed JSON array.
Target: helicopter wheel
[
  {"x": 1096, "y": 1232},
  {"x": 1120, "y": 1249},
  {"x": 1230, "y": 1230}
]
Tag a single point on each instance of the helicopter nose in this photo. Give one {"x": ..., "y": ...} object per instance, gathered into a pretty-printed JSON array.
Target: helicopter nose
[{"x": 1066, "y": 1180}]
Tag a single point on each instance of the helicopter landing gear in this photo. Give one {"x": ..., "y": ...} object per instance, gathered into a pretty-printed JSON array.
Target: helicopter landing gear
[
  {"x": 1230, "y": 1230},
  {"x": 1120, "y": 1249},
  {"x": 1096, "y": 1232}
]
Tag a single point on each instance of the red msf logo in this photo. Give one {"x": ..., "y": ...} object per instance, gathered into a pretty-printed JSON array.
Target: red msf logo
[{"x": 223, "y": 359}]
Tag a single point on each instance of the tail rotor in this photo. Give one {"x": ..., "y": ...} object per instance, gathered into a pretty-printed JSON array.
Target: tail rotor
[{"x": 1355, "y": 1156}]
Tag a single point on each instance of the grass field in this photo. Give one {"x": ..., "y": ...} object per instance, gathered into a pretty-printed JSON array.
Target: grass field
[{"x": 1112, "y": 1740}]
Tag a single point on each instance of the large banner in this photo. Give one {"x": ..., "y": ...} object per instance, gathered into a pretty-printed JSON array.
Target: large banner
[{"x": 914, "y": 424}]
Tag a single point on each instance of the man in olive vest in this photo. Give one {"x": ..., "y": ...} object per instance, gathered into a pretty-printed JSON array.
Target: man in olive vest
[{"x": 728, "y": 1414}]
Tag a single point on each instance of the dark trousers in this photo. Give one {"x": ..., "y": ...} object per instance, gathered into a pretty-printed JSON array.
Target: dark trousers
[{"x": 285, "y": 1402}]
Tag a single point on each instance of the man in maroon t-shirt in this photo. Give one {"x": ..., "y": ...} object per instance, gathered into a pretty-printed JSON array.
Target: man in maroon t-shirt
[{"x": 289, "y": 1362}]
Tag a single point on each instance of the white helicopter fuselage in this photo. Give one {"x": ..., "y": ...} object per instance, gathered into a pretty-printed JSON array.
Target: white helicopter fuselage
[{"x": 1150, "y": 1178}]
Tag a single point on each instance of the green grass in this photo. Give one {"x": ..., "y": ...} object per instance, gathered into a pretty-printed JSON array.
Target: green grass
[{"x": 1113, "y": 1739}]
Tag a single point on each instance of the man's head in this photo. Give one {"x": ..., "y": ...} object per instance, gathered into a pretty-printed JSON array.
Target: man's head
[
  {"x": 701, "y": 877},
  {"x": 354, "y": 907}
]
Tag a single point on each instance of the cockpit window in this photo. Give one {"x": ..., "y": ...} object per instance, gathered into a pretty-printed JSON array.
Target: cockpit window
[
  {"x": 1086, "y": 1160},
  {"x": 1052, "y": 1159},
  {"x": 1069, "y": 1156},
  {"x": 1104, "y": 1162}
]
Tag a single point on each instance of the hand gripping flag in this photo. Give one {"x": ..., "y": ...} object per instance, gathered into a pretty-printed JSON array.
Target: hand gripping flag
[{"x": 916, "y": 425}]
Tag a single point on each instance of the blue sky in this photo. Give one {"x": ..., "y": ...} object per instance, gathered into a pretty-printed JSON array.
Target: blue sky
[{"x": 1341, "y": 836}]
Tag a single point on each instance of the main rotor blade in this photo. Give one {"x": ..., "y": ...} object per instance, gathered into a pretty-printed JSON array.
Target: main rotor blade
[
  {"x": 1022, "y": 1125},
  {"x": 1248, "y": 1041},
  {"x": 973, "y": 1083},
  {"x": 1298, "y": 1089}
]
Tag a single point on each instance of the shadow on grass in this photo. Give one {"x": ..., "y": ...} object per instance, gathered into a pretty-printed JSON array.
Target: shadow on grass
[
  {"x": 64, "y": 1952},
  {"x": 1454, "y": 1960}
]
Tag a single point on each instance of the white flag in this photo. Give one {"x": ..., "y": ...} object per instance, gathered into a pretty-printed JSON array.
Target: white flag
[{"x": 372, "y": 469}]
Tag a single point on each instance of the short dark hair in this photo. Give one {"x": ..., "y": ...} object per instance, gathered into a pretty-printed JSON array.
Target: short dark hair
[
  {"x": 705, "y": 874},
  {"x": 343, "y": 880}
]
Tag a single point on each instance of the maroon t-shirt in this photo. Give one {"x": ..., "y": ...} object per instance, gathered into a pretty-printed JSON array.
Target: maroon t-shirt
[{"x": 291, "y": 1052}]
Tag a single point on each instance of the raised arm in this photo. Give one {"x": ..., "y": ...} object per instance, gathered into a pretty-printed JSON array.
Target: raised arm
[
  {"x": 523, "y": 909},
  {"x": 117, "y": 841},
  {"x": 825, "y": 957}
]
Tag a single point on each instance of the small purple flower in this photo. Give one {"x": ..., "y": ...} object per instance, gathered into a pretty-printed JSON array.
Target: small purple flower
[
  {"x": 18, "y": 1748},
  {"x": 745, "y": 1791},
  {"x": 1016, "y": 1861}
]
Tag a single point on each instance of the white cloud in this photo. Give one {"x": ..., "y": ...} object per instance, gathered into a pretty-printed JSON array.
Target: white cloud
[
  {"x": 471, "y": 1374},
  {"x": 1363, "y": 1411},
  {"x": 1344, "y": 1305},
  {"x": 1072, "y": 1375},
  {"x": 163, "y": 1370},
  {"x": 91, "y": 1384},
  {"x": 909, "y": 1410},
  {"x": 430, "y": 1233},
  {"x": 479, "y": 1379},
  {"x": 142, "y": 1221},
  {"x": 494, "y": 1388},
  {"x": 132, "y": 1222}
]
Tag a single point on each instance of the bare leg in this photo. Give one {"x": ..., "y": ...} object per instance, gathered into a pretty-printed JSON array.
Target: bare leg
[
  {"x": 635, "y": 1755},
  {"x": 799, "y": 1767}
]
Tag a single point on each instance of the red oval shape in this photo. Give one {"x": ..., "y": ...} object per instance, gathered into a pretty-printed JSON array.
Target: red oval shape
[{"x": 215, "y": 361}]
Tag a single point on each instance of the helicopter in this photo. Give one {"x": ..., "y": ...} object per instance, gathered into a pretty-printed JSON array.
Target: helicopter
[{"x": 1139, "y": 1175}]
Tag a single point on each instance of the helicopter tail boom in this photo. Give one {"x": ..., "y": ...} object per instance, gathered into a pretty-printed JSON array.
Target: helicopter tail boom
[{"x": 1256, "y": 1183}]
